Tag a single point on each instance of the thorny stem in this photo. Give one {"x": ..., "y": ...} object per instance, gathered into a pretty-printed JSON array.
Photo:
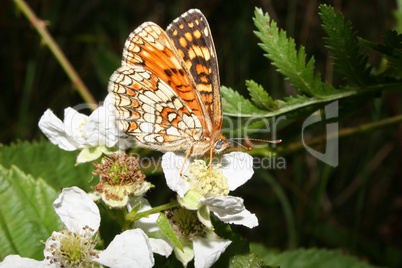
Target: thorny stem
[{"x": 40, "y": 27}]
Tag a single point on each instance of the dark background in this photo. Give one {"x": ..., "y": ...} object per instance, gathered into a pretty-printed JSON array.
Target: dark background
[{"x": 359, "y": 207}]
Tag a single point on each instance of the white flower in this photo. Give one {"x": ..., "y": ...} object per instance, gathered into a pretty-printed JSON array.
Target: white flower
[
  {"x": 198, "y": 191},
  {"x": 14, "y": 261},
  {"x": 94, "y": 134},
  {"x": 132, "y": 248},
  {"x": 75, "y": 246},
  {"x": 204, "y": 246}
]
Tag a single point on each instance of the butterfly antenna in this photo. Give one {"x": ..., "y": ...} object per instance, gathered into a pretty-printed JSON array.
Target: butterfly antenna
[
  {"x": 241, "y": 145},
  {"x": 252, "y": 139}
]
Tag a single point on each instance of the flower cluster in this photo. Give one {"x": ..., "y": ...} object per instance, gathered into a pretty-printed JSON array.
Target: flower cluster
[{"x": 183, "y": 227}]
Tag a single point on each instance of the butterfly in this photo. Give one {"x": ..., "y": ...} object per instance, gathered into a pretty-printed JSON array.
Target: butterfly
[{"x": 167, "y": 91}]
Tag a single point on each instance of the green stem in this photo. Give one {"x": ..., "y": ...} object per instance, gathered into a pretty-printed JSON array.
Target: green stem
[
  {"x": 343, "y": 93},
  {"x": 287, "y": 210},
  {"x": 342, "y": 133},
  {"x": 132, "y": 217},
  {"x": 40, "y": 27}
]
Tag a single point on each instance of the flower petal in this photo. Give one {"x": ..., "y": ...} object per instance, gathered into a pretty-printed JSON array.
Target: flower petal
[
  {"x": 171, "y": 165},
  {"x": 230, "y": 209},
  {"x": 129, "y": 249},
  {"x": 207, "y": 252},
  {"x": 16, "y": 261},
  {"x": 54, "y": 130},
  {"x": 238, "y": 168},
  {"x": 224, "y": 205},
  {"x": 77, "y": 210},
  {"x": 101, "y": 126},
  {"x": 161, "y": 247},
  {"x": 74, "y": 125},
  {"x": 245, "y": 218}
]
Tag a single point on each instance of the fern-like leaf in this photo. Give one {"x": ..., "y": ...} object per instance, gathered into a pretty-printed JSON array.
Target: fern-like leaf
[
  {"x": 235, "y": 104},
  {"x": 342, "y": 42},
  {"x": 260, "y": 97},
  {"x": 391, "y": 49},
  {"x": 290, "y": 62}
]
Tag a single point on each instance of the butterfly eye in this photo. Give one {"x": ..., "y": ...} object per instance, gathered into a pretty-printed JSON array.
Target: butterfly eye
[{"x": 218, "y": 145}]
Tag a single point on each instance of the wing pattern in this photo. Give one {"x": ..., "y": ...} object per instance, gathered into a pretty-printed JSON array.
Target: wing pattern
[
  {"x": 167, "y": 93},
  {"x": 151, "y": 112},
  {"x": 192, "y": 37}
]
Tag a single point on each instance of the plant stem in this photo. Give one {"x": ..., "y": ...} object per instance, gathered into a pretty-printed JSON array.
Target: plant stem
[
  {"x": 40, "y": 27},
  {"x": 287, "y": 210},
  {"x": 342, "y": 133},
  {"x": 146, "y": 213}
]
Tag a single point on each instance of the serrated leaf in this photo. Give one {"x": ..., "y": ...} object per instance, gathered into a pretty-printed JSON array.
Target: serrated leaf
[
  {"x": 290, "y": 62},
  {"x": 45, "y": 160},
  {"x": 391, "y": 49},
  {"x": 342, "y": 42},
  {"x": 235, "y": 104},
  {"x": 27, "y": 215},
  {"x": 306, "y": 258},
  {"x": 260, "y": 97},
  {"x": 167, "y": 230}
]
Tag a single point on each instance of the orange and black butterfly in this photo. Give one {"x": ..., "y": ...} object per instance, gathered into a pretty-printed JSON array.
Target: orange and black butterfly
[{"x": 167, "y": 91}]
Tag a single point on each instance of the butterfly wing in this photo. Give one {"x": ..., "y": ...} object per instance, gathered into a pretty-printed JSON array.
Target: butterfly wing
[
  {"x": 150, "y": 47},
  {"x": 192, "y": 38},
  {"x": 151, "y": 111}
]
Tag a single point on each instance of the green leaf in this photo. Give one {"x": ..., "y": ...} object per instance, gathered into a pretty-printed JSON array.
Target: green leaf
[
  {"x": 391, "y": 49},
  {"x": 306, "y": 258},
  {"x": 290, "y": 62},
  {"x": 342, "y": 42},
  {"x": 235, "y": 104},
  {"x": 26, "y": 214},
  {"x": 43, "y": 159},
  {"x": 167, "y": 230},
  {"x": 135, "y": 209},
  {"x": 246, "y": 260},
  {"x": 260, "y": 97}
]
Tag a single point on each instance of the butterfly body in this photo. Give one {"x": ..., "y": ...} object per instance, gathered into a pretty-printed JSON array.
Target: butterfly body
[{"x": 167, "y": 91}]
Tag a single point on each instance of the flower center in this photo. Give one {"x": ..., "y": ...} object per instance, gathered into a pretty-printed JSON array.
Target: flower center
[
  {"x": 72, "y": 250},
  {"x": 202, "y": 182},
  {"x": 185, "y": 223},
  {"x": 120, "y": 177}
]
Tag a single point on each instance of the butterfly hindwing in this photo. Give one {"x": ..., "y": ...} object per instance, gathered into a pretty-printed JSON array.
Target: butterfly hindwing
[{"x": 150, "y": 111}]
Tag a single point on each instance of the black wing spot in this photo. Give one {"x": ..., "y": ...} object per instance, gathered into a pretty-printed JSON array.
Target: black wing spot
[{"x": 168, "y": 72}]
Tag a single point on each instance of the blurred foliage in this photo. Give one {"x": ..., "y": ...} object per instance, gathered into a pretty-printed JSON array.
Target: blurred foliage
[{"x": 355, "y": 207}]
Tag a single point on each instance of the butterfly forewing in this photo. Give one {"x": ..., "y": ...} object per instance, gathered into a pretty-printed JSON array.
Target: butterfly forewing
[
  {"x": 150, "y": 47},
  {"x": 192, "y": 38}
]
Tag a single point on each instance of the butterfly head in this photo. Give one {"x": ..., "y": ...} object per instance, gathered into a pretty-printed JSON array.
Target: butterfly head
[{"x": 220, "y": 143}]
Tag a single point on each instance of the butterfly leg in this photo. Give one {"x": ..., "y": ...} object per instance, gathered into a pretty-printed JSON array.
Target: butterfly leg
[
  {"x": 210, "y": 160},
  {"x": 185, "y": 159}
]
